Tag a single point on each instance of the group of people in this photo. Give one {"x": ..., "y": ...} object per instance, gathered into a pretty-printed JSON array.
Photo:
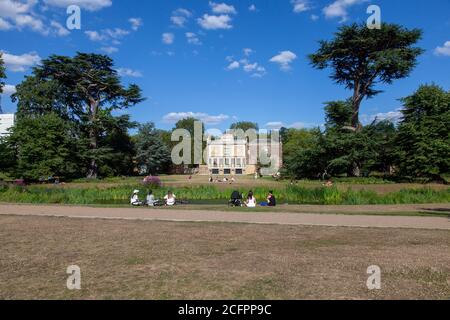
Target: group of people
[
  {"x": 169, "y": 200},
  {"x": 224, "y": 180},
  {"x": 250, "y": 201}
]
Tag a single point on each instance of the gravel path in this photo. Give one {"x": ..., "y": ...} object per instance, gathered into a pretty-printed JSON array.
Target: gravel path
[{"x": 217, "y": 216}]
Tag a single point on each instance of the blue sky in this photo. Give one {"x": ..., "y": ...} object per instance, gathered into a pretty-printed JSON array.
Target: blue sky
[{"x": 220, "y": 61}]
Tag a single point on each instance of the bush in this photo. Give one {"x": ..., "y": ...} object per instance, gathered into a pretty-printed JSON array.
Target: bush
[{"x": 152, "y": 182}]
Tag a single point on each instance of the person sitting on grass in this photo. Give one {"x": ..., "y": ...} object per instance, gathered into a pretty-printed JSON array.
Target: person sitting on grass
[
  {"x": 271, "y": 201},
  {"x": 150, "y": 201},
  {"x": 170, "y": 199},
  {"x": 134, "y": 201},
  {"x": 251, "y": 200}
]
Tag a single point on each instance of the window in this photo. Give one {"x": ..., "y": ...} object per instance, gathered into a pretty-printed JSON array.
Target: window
[
  {"x": 215, "y": 171},
  {"x": 227, "y": 171},
  {"x": 239, "y": 171}
]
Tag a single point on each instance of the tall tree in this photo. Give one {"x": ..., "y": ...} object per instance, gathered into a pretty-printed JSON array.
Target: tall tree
[
  {"x": 2, "y": 73},
  {"x": 361, "y": 58},
  {"x": 152, "y": 155},
  {"x": 87, "y": 89},
  {"x": 189, "y": 125},
  {"x": 244, "y": 125},
  {"x": 2, "y": 77},
  {"x": 424, "y": 134},
  {"x": 46, "y": 146}
]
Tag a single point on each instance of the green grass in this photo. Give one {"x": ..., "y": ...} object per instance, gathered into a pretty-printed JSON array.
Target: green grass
[{"x": 119, "y": 195}]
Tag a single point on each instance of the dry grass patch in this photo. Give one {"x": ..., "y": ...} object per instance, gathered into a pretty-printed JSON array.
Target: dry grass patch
[{"x": 162, "y": 260}]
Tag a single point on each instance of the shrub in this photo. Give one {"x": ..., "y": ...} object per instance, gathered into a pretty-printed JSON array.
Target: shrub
[{"x": 152, "y": 182}]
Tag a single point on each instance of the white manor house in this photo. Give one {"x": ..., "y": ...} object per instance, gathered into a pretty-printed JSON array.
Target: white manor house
[{"x": 233, "y": 155}]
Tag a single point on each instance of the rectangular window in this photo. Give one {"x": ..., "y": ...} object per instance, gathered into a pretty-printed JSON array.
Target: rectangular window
[
  {"x": 215, "y": 171},
  {"x": 227, "y": 171},
  {"x": 238, "y": 171}
]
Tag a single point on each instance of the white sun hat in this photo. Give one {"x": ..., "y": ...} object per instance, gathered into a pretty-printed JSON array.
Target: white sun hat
[{"x": 136, "y": 191}]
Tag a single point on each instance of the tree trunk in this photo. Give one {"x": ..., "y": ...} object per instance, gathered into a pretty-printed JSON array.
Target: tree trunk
[
  {"x": 356, "y": 104},
  {"x": 93, "y": 167},
  {"x": 93, "y": 138}
]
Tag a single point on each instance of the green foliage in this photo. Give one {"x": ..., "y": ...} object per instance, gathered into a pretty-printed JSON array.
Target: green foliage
[
  {"x": 152, "y": 154},
  {"x": 45, "y": 146},
  {"x": 84, "y": 89},
  {"x": 424, "y": 134},
  {"x": 244, "y": 126},
  {"x": 361, "y": 58},
  {"x": 2, "y": 73},
  {"x": 203, "y": 194}
]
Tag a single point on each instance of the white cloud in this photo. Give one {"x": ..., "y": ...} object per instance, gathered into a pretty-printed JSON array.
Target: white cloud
[
  {"x": 168, "y": 38},
  {"x": 393, "y": 116},
  {"x": 300, "y": 5},
  {"x": 296, "y": 125},
  {"x": 192, "y": 38},
  {"x": 126, "y": 72},
  {"x": 444, "y": 50},
  {"x": 90, "y": 5},
  {"x": 174, "y": 117},
  {"x": 19, "y": 63},
  {"x": 136, "y": 23},
  {"x": 109, "y": 50},
  {"x": 59, "y": 29},
  {"x": 211, "y": 22},
  {"x": 252, "y": 8},
  {"x": 253, "y": 68},
  {"x": 248, "y": 52},
  {"x": 222, "y": 8},
  {"x": 107, "y": 34},
  {"x": 180, "y": 17},
  {"x": 274, "y": 125},
  {"x": 314, "y": 17},
  {"x": 94, "y": 35},
  {"x": 284, "y": 59},
  {"x": 338, "y": 9},
  {"x": 233, "y": 65},
  {"x": 19, "y": 14},
  {"x": 9, "y": 90},
  {"x": 5, "y": 25}
]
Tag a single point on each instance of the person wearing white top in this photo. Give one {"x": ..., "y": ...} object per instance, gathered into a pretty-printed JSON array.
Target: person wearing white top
[
  {"x": 170, "y": 199},
  {"x": 134, "y": 201},
  {"x": 251, "y": 200}
]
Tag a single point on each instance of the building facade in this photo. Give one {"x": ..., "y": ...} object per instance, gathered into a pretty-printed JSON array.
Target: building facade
[
  {"x": 231, "y": 155},
  {"x": 6, "y": 122}
]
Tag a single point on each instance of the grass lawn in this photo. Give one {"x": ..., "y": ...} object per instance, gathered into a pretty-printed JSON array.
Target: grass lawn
[{"x": 162, "y": 260}]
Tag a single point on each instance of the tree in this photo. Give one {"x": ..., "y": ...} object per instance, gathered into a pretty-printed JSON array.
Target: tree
[
  {"x": 45, "y": 146},
  {"x": 189, "y": 125},
  {"x": 244, "y": 126},
  {"x": 2, "y": 73},
  {"x": 424, "y": 134},
  {"x": 85, "y": 88},
  {"x": 119, "y": 147},
  {"x": 152, "y": 155},
  {"x": 309, "y": 159},
  {"x": 361, "y": 57}
]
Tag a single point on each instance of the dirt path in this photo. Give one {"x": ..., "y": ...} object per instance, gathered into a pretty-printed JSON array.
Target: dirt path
[{"x": 217, "y": 216}]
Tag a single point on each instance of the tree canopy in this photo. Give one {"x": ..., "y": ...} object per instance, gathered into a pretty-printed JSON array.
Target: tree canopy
[
  {"x": 424, "y": 133},
  {"x": 361, "y": 58},
  {"x": 2, "y": 73},
  {"x": 152, "y": 154},
  {"x": 85, "y": 89}
]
